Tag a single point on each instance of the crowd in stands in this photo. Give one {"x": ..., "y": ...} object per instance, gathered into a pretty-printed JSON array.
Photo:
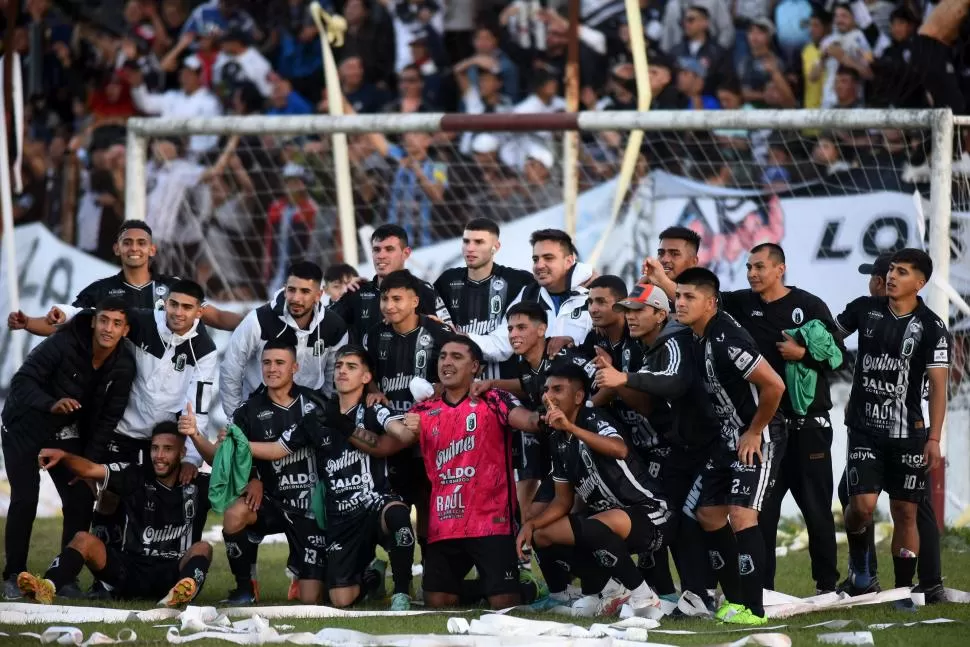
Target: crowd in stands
[{"x": 263, "y": 199}]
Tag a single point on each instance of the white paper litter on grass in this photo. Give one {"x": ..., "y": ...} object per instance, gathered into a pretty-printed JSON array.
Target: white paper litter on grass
[
  {"x": 847, "y": 638},
  {"x": 74, "y": 636}
]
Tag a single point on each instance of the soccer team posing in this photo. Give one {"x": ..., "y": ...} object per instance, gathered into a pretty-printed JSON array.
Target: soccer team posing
[{"x": 553, "y": 412}]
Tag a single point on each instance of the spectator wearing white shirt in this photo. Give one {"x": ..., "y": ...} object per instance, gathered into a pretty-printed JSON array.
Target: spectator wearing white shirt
[
  {"x": 544, "y": 99},
  {"x": 174, "y": 203},
  {"x": 193, "y": 100},
  {"x": 483, "y": 97},
  {"x": 411, "y": 16},
  {"x": 238, "y": 61},
  {"x": 847, "y": 47}
]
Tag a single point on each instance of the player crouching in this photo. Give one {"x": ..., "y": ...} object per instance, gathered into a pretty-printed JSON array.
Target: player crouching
[
  {"x": 591, "y": 458},
  {"x": 351, "y": 442},
  {"x": 161, "y": 555}
]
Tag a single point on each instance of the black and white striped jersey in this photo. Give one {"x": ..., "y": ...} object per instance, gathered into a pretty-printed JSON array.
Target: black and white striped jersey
[
  {"x": 288, "y": 481},
  {"x": 730, "y": 357},
  {"x": 398, "y": 358},
  {"x": 602, "y": 482},
  {"x": 893, "y": 357},
  {"x": 478, "y": 307}
]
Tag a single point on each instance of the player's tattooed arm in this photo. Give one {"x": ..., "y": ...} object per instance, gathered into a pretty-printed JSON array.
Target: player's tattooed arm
[
  {"x": 376, "y": 444},
  {"x": 407, "y": 430}
]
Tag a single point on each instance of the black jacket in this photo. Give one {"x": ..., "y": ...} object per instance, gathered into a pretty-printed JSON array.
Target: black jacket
[
  {"x": 60, "y": 367},
  {"x": 672, "y": 370}
]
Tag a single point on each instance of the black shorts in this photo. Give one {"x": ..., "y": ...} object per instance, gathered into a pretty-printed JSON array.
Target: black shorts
[
  {"x": 140, "y": 577},
  {"x": 546, "y": 492},
  {"x": 409, "y": 479},
  {"x": 648, "y": 524},
  {"x": 876, "y": 463},
  {"x": 447, "y": 562},
  {"x": 530, "y": 456},
  {"x": 725, "y": 480},
  {"x": 308, "y": 554},
  {"x": 351, "y": 541}
]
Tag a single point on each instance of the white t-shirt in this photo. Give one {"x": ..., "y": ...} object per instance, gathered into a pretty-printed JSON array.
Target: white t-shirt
[
  {"x": 856, "y": 47},
  {"x": 248, "y": 66},
  {"x": 170, "y": 189}
]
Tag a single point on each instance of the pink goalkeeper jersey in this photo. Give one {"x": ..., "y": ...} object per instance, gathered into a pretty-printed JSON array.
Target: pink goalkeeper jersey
[{"x": 468, "y": 458}]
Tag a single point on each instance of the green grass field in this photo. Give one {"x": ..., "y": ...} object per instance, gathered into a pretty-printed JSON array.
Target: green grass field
[{"x": 792, "y": 578}]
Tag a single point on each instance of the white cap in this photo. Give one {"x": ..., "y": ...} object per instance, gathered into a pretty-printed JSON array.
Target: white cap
[
  {"x": 192, "y": 62},
  {"x": 485, "y": 143},
  {"x": 539, "y": 153},
  {"x": 292, "y": 170}
]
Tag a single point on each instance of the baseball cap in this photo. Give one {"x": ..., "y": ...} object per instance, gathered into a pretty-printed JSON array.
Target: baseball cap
[
  {"x": 879, "y": 267},
  {"x": 764, "y": 24},
  {"x": 192, "y": 62},
  {"x": 643, "y": 295},
  {"x": 691, "y": 64}
]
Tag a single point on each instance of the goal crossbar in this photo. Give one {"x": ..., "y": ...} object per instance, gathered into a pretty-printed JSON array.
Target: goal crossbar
[{"x": 661, "y": 120}]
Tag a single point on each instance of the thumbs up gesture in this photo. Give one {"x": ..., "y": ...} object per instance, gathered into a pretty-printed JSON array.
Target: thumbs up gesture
[{"x": 187, "y": 425}]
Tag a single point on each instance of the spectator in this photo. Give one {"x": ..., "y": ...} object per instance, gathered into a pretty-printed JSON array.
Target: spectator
[
  {"x": 699, "y": 45},
  {"x": 620, "y": 91},
  {"x": 845, "y": 47},
  {"x": 792, "y": 20},
  {"x": 136, "y": 51},
  {"x": 897, "y": 82},
  {"x": 677, "y": 25},
  {"x": 733, "y": 143},
  {"x": 298, "y": 54},
  {"x": 424, "y": 62},
  {"x": 459, "y": 24},
  {"x": 192, "y": 100},
  {"x": 289, "y": 228},
  {"x": 418, "y": 185},
  {"x": 368, "y": 37},
  {"x": 363, "y": 96},
  {"x": 539, "y": 188},
  {"x": 777, "y": 172},
  {"x": 747, "y": 13},
  {"x": 813, "y": 72},
  {"x": 761, "y": 64},
  {"x": 173, "y": 17},
  {"x": 172, "y": 206},
  {"x": 284, "y": 100},
  {"x": 488, "y": 55},
  {"x": 239, "y": 61},
  {"x": 411, "y": 96},
  {"x": 544, "y": 99},
  {"x": 523, "y": 28},
  {"x": 412, "y": 17},
  {"x": 847, "y": 89},
  {"x": 111, "y": 103},
  {"x": 485, "y": 98},
  {"x": 691, "y": 82},
  {"x": 217, "y": 17},
  {"x": 664, "y": 93},
  {"x": 499, "y": 197},
  {"x": 827, "y": 156}
]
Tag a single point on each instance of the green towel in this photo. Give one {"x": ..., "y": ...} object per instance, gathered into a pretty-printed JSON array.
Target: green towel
[
  {"x": 231, "y": 468},
  {"x": 801, "y": 380},
  {"x": 318, "y": 499}
]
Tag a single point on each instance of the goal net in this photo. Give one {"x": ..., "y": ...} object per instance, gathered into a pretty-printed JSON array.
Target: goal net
[{"x": 835, "y": 188}]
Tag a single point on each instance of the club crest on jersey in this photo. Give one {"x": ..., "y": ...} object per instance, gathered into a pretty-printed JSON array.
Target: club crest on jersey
[
  {"x": 908, "y": 345},
  {"x": 161, "y": 290},
  {"x": 180, "y": 361},
  {"x": 318, "y": 347},
  {"x": 495, "y": 305},
  {"x": 308, "y": 407},
  {"x": 420, "y": 359},
  {"x": 498, "y": 284},
  {"x": 577, "y": 313},
  {"x": 798, "y": 316},
  {"x": 471, "y": 422},
  {"x": 425, "y": 340}
]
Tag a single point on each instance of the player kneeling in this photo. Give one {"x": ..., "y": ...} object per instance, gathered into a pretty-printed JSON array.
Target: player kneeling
[
  {"x": 162, "y": 555},
  {"x": 361, "y": 511},
  {"x": 590, "y": 457}
]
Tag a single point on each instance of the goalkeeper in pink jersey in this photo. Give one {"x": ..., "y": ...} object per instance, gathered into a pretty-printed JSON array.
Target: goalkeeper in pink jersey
[{"x": 466, "y": 448}]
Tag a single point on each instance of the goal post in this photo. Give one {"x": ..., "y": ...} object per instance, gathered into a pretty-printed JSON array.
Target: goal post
[{"x": 835, "y": 186}]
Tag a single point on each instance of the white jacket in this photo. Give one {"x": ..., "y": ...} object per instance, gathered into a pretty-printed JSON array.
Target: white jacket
[
  {"x": 172, "y": 370},
  {"x": 179, "y": 105},
  {"x": 316, "y": 348},
  {"x": 572, "y": 320}
]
